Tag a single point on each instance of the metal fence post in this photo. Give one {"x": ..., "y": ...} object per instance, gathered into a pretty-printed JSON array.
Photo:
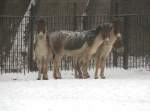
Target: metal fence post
[
  {"x": 126, "y": 43},
  {"x": 115, "y": 54},
  {"x": 31, "y": 65},
  {"x": 75, "y": 16}
]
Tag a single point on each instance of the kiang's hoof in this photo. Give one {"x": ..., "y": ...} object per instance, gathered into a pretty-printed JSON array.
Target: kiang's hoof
[
  {"x": 57, "y": 77},
  {"x": 85, "y": 77},
  {"x": 38, "y": 79},
  {"x": 103, "y": 77},
  {"x": 80, "y": 77},
  {"x": 96, "y": 77},
  {"x": 88, "y": 76},
  {"x": 45, "y": 78}
]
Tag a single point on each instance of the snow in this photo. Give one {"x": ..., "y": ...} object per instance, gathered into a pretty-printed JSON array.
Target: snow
[{"x": 123, "y": 90}]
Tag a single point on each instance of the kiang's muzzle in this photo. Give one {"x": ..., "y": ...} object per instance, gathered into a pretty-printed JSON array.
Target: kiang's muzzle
[
  {"x": 41, "y": 35},
  {"x": 119, "y": 35},
  {"x": 120, "y": 49}
]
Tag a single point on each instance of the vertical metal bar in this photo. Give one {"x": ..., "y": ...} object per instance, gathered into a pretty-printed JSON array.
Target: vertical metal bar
[
  {"x": 5, "y": 48},
  {"x": 12, "y": 54},
  {"x": 9, "y": 32},
  {"x": 17, "y": 48},
  {"x": 144, "y": 37},
  {"x": 141, "y": 37},
  {"x": 31, "y": 67},
  {"x": 75, "y": 18},
  {"x": 115, "y": 55},
  {"x": 149, "y": 44},
  {"x": 20, "y": 51},
  {"x": 126, "y": 43},
  {"x": 138, "y": 37},
  {"x": 1, "y": 18},
  {"x": 22, "y": 55}
]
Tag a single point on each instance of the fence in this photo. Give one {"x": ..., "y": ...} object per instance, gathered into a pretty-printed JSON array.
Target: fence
[{"x": 17, "y": 34}]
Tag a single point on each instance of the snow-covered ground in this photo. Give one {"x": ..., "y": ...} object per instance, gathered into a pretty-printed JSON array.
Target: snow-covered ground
[{"x": 123, "y": 90}]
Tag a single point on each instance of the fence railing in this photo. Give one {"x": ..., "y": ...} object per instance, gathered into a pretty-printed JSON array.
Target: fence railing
[{"x": 16, "y": 40}]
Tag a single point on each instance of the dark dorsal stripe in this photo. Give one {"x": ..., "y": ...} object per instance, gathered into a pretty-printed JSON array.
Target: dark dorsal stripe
[
  {"x": 92, "y": 34},
  {"x": 78, "y": 39},
  {"x": 75, "y": 42}
]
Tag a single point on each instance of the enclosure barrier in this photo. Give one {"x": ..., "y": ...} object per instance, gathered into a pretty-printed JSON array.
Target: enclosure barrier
[{"x": 17, "y": 35}]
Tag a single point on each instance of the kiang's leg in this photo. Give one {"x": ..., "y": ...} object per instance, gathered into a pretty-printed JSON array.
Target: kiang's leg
[
  {"x": 45, "y": 69},
  {"x": 54, "y": 68},
  {"x": 97, "y": 67},
  {"x": 39, "y": 75},
  {"x": 76, "y": 67},
  {"x": 79, "y": 70},
  {"x": 85, "y": 68},
  {"x": 56, "y": 65},
  {"x": 39, "y": 69},
  {"x": 102, "y": 65},
  {"x": 74, "y": 62}
]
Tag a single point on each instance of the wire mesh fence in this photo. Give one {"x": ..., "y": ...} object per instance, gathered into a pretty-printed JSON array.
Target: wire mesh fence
[{"x": 17, "y": 34}]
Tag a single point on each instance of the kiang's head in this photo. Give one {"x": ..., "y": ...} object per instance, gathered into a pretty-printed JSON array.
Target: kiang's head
[
  {"x": 116, "y": 28},
  {"x": 111, "y": 29},
  {"x": 41, "y": 26},
  {"x": 106, "y": 30},
  {"x": 118, "y": 45}
]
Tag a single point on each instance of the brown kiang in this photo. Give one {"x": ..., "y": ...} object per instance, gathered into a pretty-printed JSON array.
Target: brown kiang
[
  {"x": 115, "y": 41},
  {"x": 41, "y": 49},
  {"x": 79, "y": 45}
]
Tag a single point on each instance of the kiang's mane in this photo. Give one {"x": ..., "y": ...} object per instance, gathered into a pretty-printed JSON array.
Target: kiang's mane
[{"x": 92, "y": 34}]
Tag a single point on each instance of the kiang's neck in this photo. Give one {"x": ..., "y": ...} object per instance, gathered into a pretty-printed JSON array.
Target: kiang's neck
[{"x": 112, "y": 39}]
